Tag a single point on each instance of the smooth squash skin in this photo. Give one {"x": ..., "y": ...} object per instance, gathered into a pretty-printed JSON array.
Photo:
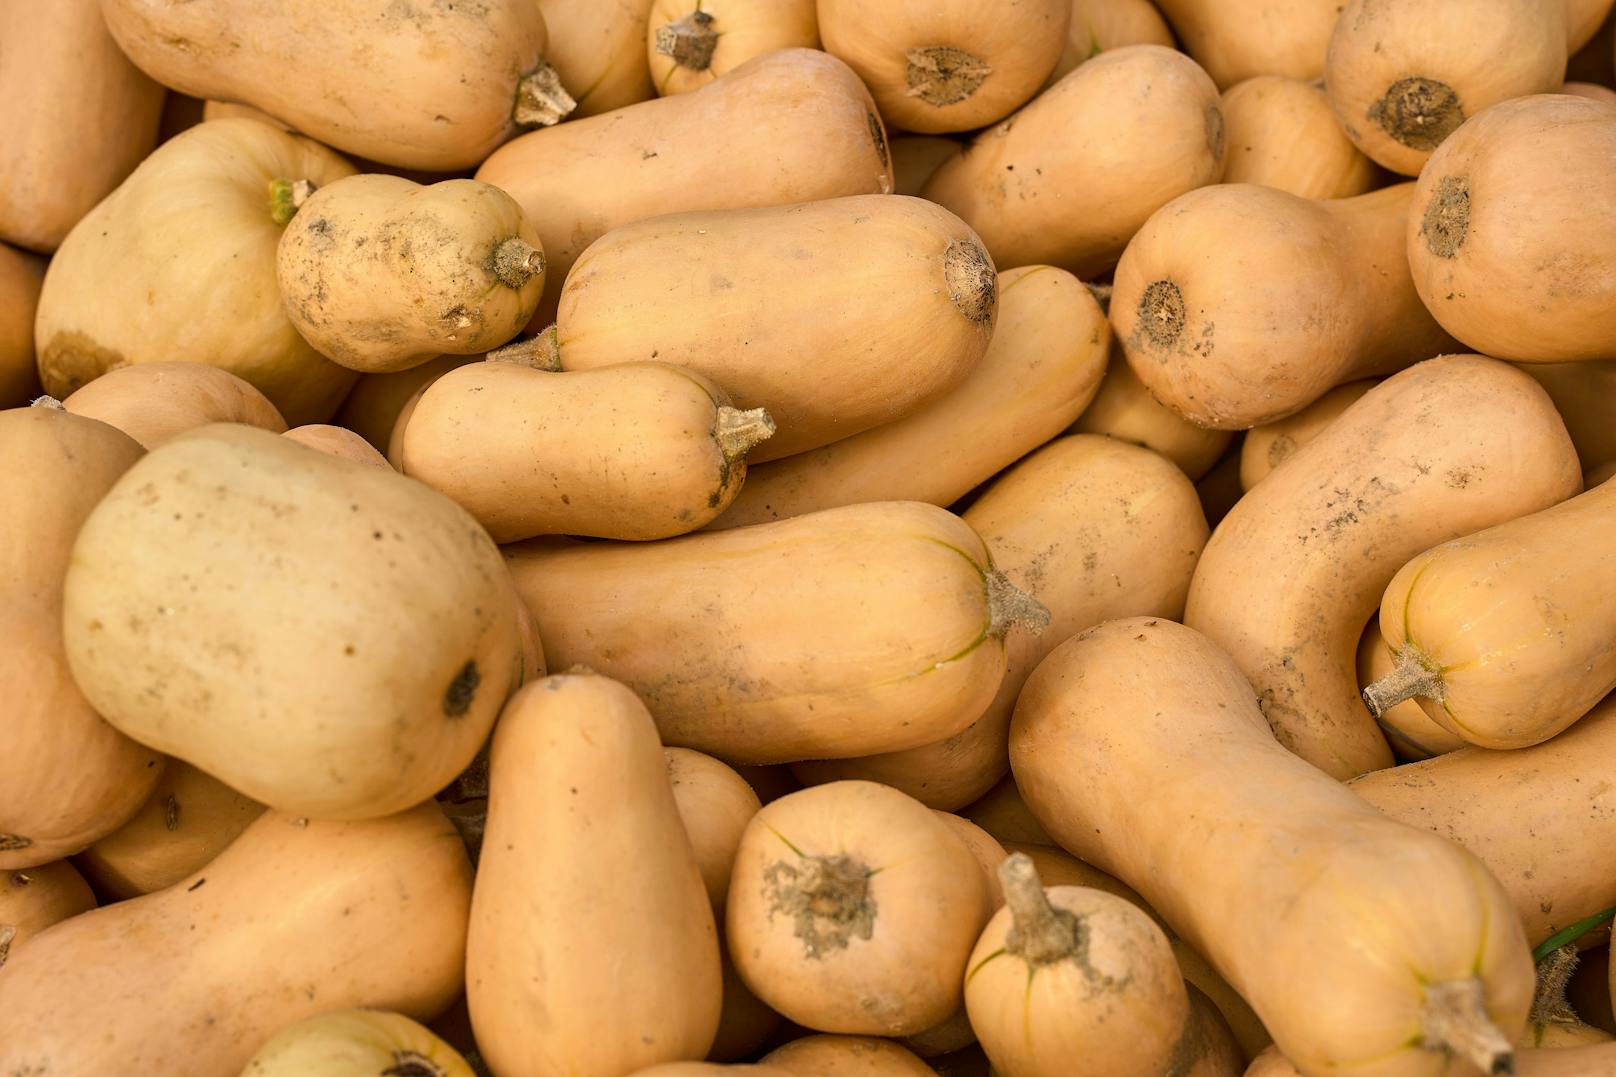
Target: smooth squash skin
[
  {"x": 339, "y": 442},
  {"x": 387, "y": 600},
  {"x": 1402, "y": 75},
  {"x": 852, "y": 909},
  {"x": 916, "y": 157},
  {"x": 689, "y": 44},
  {"x": 768, "y": 304},
  {"x": 79, "y": 118},
  {"x": 1240, "y": 39},
  {"x": 715, "y": 804},
  {"x": 156, "y": 402},
  {"x": 1364, "y": 945},
  {"x": 897, "y": 602},
  {"x": 189, "y": 819},
  {"x": 1537, "y": 817},
  {"x": 1041, "y": 369},
  {"x": 68, "y": 776},
  {"x": 631, "y": 451},
  {"x": 1512, "y": 227},
  {"x": 846, "y": 1056},
  {"x": 196, "y": 224},
  {"x": 1071, "y": 177},
  {"x": 799, "y": 120},
  {"x": 21, "y": 277},
  {"x": 1125, "y": 410},
  {"x": 298, "y": 917},
  {"x": 948, "y": 66},
  {"x": 371, "y": 409},
  {"x": 1295, "y": 570},
  {"x": 1409, "y": 730},
  {"x": 598, "y": 49},
  {"x": 1092, "y": 529},
  {"x": 357, "y": 1043},
  {"x": 32, "y": 899},
  {"x": 1098, "y": 26},
  {"x": 1266, "y": 447},
  {"x": 1282, "y": 134},
  {"x": 585, "y": 857},
  {"x": 984, "y": 846},
  {"x": 1591, "y": 90},
  {"x": 1585, "y": 396},
  {"x": 1238, "y": 304},
  {"x": 437, "y": 87}
]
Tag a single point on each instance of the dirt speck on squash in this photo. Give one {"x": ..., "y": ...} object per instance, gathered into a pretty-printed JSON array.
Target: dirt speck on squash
[
  {"x": 827, "y": 898},
  {"x": 1214, "y": 130},
  {"x": 942, "y": 75},
  {"x": 1447, "y": 217},
  {"x": 878, "y": 135},
  {"x": 462, "y": 690},
  {"x": 10, "y": 843},
  {"x": 1418, "y": 112}
]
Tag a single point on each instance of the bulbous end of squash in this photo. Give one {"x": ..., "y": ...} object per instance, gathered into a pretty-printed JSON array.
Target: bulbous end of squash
[
  {"x": 541, "y": 100},
  {"x": 1011, "y": 607},
  {"x": 689, "y": 41},
  {"x": 1455, "y": 1020}
]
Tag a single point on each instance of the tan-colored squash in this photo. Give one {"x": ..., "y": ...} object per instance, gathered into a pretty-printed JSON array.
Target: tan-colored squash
[
  {"x": 196, "y": 224},
  {"x": 1002, "y": 813},
  {"x": 690, "y": 43},
  {"x": 598, "y": 49},
  {"x": 1365, "y": 945},
  {"x": 1042, "y": 367},
  {"x": 715, "y": 804},
  {"x": 1240, "y": 39},
  {"x": 79, "y": 118},
  {"x": 853, "y": 908},
  {"x": 801, "y": 122},
  {"x": 436, "y": 87},
  {"x": 156, "y": 402},
  {"x": 953, "y": 65},
  {"x": 68, "y": 776},
  {"x": 710, "y": 1069},
  {"x": 233, "y": 575},
  {"x": 745, "y": 1023},
  {"x": 1282, "y": 133},
  {"x": 1538, "y": 817},
  {"x": 712, "y": 629},
  {"x": 1507, "y": 636},
  {"x": 296, "y": 918},
  {"x": 357, "y": 1043},
  {"x": 1584, "y": 19},
  {"x": 1595, "y": 1060},
  {"x": 1070, "y": 178},
  {"x": 1125, "y": 410},
  {"x": 916, "y": 157},
  {"x": 188, "y": 820},
  {"x": 382, "y": 274},
  {"x": 846, "y": 1056},
  {"x": 767, "y": 303},
  {"x": 1238, "y": 305},
  {"x": 1403, "y": 74},
  {"x": 1092, "y": 529},
  {"x": 21, "y": 277},
  {"x": 1266, "y": 447},
  {"x": 32, "y": 899},
  {"x": 1294, "y": 572},
  {"x": 339, "y": 442},
  {"x": 372, "y": 407},
  {"x": 585, "y": 857},
  {"x": 984, "y": 846},
  {"x": 631, "y": 451},
  {"x": 1408, "y": 729},
  {"x": 1099, "y": 26},
  {"x": 1512, "y": 228},
  {"x": 1585, "y": 396},
  {"x": 1593, "y": 91}
]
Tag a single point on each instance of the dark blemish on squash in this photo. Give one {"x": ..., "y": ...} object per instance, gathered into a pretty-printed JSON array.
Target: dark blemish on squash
[
  {"x": 972, "y": 283},
  {"x": 941, "y": 75},
  {"x": 171, "y": 813},
  {"x": 411, "y": 1064},
  {"x": 827, "y": 898},
  {"x": 71, "y": 359},
  {"x": 10, "y": 843},
  {"x": 1214, "y": 131},
  {"x": 1418, "y": 112},
  {"x": 1161, "y": 313},
  {"x": 878, "y": 135},
  {"x": 195, "y": 886},
  {"x": 1447, "y": 217},
  {"x": 462, "y": 690}
]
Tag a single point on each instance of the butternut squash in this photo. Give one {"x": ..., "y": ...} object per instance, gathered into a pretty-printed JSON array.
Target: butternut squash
[
  {"x": 356, "y": 1043},
  {"x": 1240, "y": 39},
  {"x": 949, "y": 66},
  {"x": 1098, "y": 26},
  {"x": 916, "y": 157},
  {"x": 68, "y": 776},
  {"x": 689, "y": 44},
  {"x": 372, "y": 407},
  {"x": 1595, "y": 1060},
  {"x": 1409, "y": 730},
  {"x": 1125, "y": 410},
  {"x": 852, "y": 909},
  {"x": 32, "y": 899},
  {"x": 434, "y": 87},
  {"x": 801, "y": 121},
  {"x": 1593, "y": 62},
  {"x": 156, "y": 402},
  {"x": 1002, "y": 813},
  {"x": 79, "y": 119},
  {"x": 1538, "y": 817},
  {"x": 709, "y": 1069},
  {"x": 632, "y": 451},
  {"x": 1072, "y": 176},
  {"x": 1238, "y": 305},
  {"x": 715, "y": 804},
  {"x": 598, "y": 50},
  {"x": 188, "y": 820},
  {"x": 296, "y": 918},
  {"x": 339, "y": 442},
  {"x": 380, "y": 274},
  {"x": 710, "y": 629},
  {"x": 745, "y": 1024},
  {"x": 1365, "y": 945},
  {"x": 1266, "y": 447},
  {"x": 1592, "y": 90},
  {"x": 1402, "y": 75},
  {"x": 1293, "y": 573},
  {"x": 196, "y": 224},
  {"x": 585, "y": 850},
  {"x": 1282, "y": 134},
  {"x": 21, "y": 277},
  {"x": 1140, "y": 534},
  {"x": 727, "y": 293},
  {"x": 1041, "y": 369},
  {"x": 383, "y": 638},
  {"x": 1511, "y": 254},
  {"x": 846, "y": 1056},
  {"x": 985, "y": 847}
]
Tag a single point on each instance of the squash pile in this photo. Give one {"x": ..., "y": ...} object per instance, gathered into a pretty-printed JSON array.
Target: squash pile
[{"x": 809, "y": 538}]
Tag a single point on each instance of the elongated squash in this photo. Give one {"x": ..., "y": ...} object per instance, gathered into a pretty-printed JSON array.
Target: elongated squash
[
  {"x": 1041, "y": 369},
  {"x": 585, "y": 850},
  {"x": 32, "y": 899},
  {"x": 766, "y": 303},
  {"x": 357, "y": 1043},
  {"x": 1295, "y": 570},
  {"x": 846, "y": 1056},
  {"x": 156, "y": 402},
  {"x": 1071, "y": 177},
  {"x": 597, "y": 47},
  {"x": 1282, "y": 134},
  {"x": 296, "y": 918},
  {"x": 1239, "y": 39},
  {"x": 1099, "y": 26},
  {"x": 371, "y": 409},
  {"x": 1409, "y": 730},
  {"x": 1365, "y": 945},
  {"x": 689, "y": 43},
  {"x": 1266, "y": 447},
  {"x": 1125, "y": 410},
  {"x": 715, "y": 804},
  {"x": 21, "y": 277}
]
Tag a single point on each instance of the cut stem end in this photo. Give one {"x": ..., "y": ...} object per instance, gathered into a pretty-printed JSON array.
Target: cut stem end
[
  {"x": 1412, "y": 676},
  {"x": 542, "y": 352},
  {"x": 739, "y": 432},
  {"x": 1011, "y": 607},
  {"x": 516, "y": 261},
  {"x": 541, "y": 100},
  {"x": 1039, "y": 933},
  {"x": 689, "y": 41},
  {"x": 1456, "y": 1021}
]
